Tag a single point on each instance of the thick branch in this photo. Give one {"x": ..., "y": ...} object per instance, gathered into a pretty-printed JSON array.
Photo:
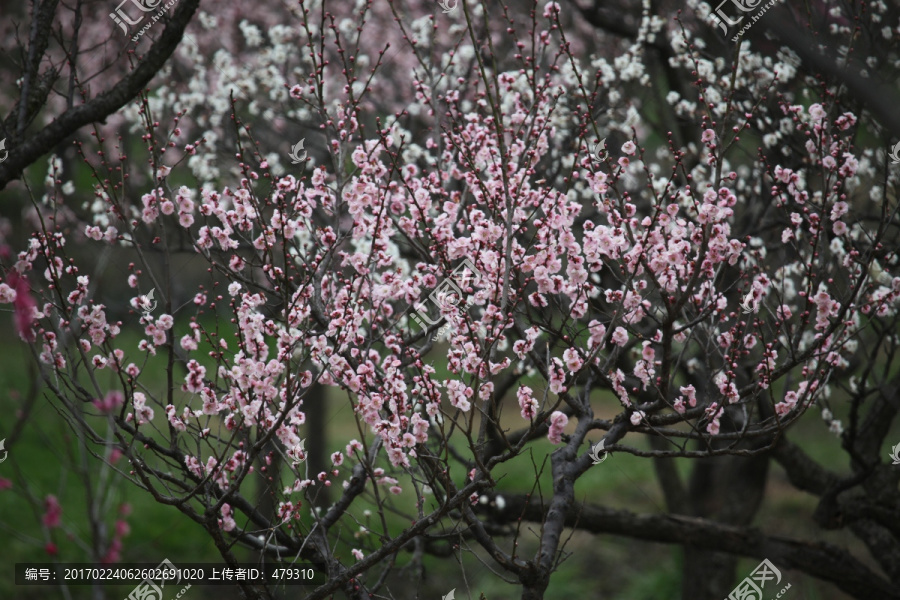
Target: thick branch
[
  {"x": 98, "y": 108},
  {"x": 803, "y": 472},
  {"x": 819, "y": 559}
]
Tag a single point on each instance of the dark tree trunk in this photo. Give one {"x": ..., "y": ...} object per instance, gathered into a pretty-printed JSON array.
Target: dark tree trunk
[
  {"x": 317, "y": 442},
  {"x": 728, "y": 489}
]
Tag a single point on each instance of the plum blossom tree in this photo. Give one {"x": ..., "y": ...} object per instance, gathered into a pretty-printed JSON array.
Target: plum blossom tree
[{"x": 725, "y": 266}]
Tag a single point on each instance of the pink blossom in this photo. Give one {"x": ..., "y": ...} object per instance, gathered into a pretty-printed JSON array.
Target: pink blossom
[
  {"x": 459, "y": 395},
  {"x": 527, "y": 403},
  {"x": 558, "y": 422},
  {"x": 816, "y": 112},
  {"x": 7, "y": 294},
  {"x": 557, "y": 376},
  {"x": 644, "y": 372},
  {"x": 690, "y": 393},
  {"x": 850, "y": 166},
  {"x": 227, "y": 522},
  {"x": 353, "y": 447},
  {"x": 24, "y": 305},
  {"x": 598, "y": 332},
  {"x": 845, "y": 121},
  {"x": 573, "y": 360},
  {"x": 52, "y": 512},
  {"x": 176, "y": 423},
  {"x": 195, "y": 377},
  {"x": 838, "y": 210},
  {"x": 286, "y": 511},
  {"x": 620, "y": 336},
  {"x": 790, "y": 401},
  {"x": 188, "y": 343},
  {"x": 551, "y": 10},
  {"x": 149, "y": 215},
  {"x": 113, "y": 553},
  {"x": 143, "y": 412},
  {"x": 109, "y": 403},
  {"x": 398, "y": 457},
  {"x": 713, "y": 412}
]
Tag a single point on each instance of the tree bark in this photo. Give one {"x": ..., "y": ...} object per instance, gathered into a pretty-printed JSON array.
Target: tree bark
[
  {"x": 729, "y": 490},
  {"x": 317, "y": 441}
]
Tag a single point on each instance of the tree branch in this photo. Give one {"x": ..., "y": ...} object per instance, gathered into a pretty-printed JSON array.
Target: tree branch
[
  {"x": 819, "y": 559},
  {"x": 98, "y": 108}
]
